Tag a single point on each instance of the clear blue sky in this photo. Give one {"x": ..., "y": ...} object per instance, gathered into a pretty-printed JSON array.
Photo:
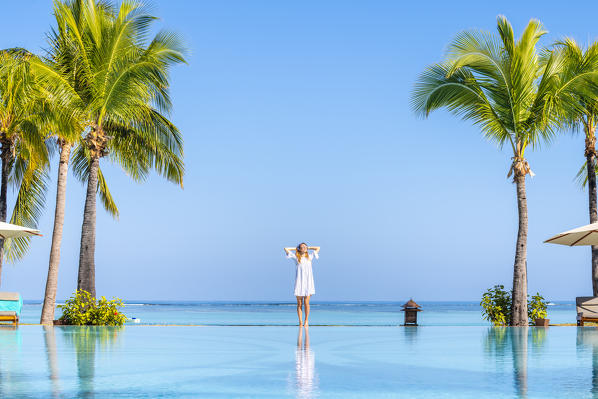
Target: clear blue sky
[{"x": 297, "y": 128}]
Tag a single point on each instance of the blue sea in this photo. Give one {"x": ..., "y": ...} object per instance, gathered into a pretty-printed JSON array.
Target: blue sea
[
  {"x": 322, "y": 313},
  {"x": 351, "y": 350}
]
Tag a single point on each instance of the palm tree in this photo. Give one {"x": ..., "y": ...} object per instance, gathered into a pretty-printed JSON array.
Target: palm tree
[
  {"x": 64, "y": 136},
  {"x": 23, "y": 154},
  {"x": 49, "y": 305},
  {"x": 56, "y": 75},
  {"x": 578, "y": 108},
  {"x": 122, "y": 90},
  {"x": 499, "y": 84}
]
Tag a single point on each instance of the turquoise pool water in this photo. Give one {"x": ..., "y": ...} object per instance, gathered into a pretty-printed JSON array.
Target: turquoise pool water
[
  {"x": 364, "y": 313},
  {"x": 282, "y": 362}
]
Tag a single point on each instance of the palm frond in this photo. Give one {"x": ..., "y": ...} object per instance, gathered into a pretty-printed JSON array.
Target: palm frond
[
  {"x": 581, "y": 178},
  {"x": 501, "y": 84},
  {"x": 106, "y": 197},
  {"x": 28, "y": 209},
  {"x": 104, "y": 63},
  {"x": 25, "y": 122}
]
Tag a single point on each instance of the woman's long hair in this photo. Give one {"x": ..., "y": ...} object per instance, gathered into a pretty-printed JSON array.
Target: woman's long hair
[{"x": 299, "y": 256}]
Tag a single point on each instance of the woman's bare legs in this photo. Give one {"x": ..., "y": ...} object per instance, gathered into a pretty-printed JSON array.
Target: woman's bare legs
[
  {"x": 299, "y": 305},
  {"x": 306, "y": 303}
]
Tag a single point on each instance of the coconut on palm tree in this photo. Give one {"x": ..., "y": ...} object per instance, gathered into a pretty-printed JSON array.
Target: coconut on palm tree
[
  {"x": 499, "y": 84},
  {"x": 58, "y": 75},
  {"x": 122, "y": 90}
]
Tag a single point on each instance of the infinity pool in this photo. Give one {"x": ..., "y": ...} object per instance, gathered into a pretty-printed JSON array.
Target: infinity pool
[
  {"x": 330, "y": 313},
  {"x": 286, "y": 362}
]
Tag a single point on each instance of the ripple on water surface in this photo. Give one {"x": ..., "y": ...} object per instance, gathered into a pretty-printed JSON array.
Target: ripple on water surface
[{"x": 288, "y": 362}]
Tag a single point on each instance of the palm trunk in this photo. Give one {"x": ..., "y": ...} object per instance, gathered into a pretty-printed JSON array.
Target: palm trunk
[
  {"x": 519, "y": 299},
  {"x": 52, "y": 281},
  {"x": 87, "y": 270},
  {"x": 590, "y": 154},
  {"x": 5, "y": 155}
]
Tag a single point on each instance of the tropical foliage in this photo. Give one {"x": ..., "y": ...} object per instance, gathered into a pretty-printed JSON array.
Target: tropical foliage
[
  {"x": 113, "y": 84},
  {"x": 497, "y": 306},
  {"x": 504, "y": 87},
  {"x": 82, "y": 309},
  {"x": 101, "y": 91},
  {"x": 578, "y": 110},
  {"x": 68, "y": 125},
  {"x": 121, "y": 91},
  {"x": 23, "y": 154},
  {"x": 537, "y": 307}
]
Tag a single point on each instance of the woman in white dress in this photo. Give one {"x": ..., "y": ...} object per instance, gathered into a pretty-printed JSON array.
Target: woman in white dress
[{"x": 304, "y": 278}]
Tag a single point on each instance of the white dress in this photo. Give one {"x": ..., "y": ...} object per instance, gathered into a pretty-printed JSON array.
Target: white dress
[{"x": 304, "y": 277}]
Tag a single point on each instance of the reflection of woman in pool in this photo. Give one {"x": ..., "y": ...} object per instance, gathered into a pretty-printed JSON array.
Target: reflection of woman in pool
[
  {"x": 305, "y": 376},
  {"x": 304, "y": 278}
]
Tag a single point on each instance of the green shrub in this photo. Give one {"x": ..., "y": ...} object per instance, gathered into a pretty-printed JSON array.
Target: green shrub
[
  {"x": 496, "y": 306},
  {"x": 83, "y": 310},
  {"x": 536, "y": 308}
]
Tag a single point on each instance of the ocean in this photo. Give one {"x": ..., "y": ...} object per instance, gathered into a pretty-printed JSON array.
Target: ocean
[{"x": 322, "y": 313}]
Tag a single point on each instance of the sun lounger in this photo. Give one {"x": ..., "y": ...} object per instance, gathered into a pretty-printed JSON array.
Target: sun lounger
[
  {"x": 587, "y": 309},
  {"x": 11, "y": 304}
]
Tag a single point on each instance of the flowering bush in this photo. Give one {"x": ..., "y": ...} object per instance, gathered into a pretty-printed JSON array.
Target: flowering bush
[{"x": 83, "y": 310}]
